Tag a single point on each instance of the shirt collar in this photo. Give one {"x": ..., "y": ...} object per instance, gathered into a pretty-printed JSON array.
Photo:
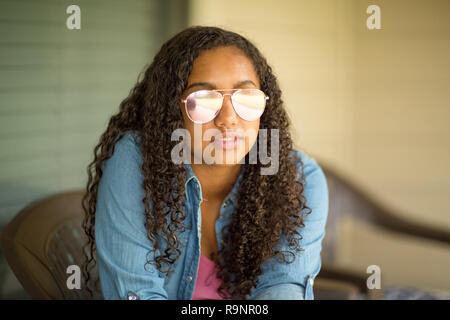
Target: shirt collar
[{"x": 232, "y": 196}]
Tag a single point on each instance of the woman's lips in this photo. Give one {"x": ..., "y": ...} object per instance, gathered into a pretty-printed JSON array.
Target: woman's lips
[{"x": 228, "y": 141}]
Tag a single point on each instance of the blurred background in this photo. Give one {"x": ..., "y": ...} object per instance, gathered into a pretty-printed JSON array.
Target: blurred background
[{"x": 372, "y": 105}]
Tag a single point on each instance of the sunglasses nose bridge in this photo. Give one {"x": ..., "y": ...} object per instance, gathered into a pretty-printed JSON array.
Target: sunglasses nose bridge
[
  {"x": 224, "y": 111},
  {"x": 224, "y": 96}
]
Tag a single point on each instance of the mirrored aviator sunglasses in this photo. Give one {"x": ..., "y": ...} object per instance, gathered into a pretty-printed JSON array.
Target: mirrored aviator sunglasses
[{"x": 204, "y": 105}]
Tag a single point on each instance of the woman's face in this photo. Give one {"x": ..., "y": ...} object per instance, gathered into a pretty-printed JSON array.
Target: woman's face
[{"x": 221, "y": 68}]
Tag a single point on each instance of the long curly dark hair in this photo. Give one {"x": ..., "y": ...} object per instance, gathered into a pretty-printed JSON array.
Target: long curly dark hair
[{"x": 261, "y": 215}]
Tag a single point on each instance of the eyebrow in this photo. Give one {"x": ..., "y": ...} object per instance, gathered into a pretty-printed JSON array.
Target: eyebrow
[{"x": 212, "y": 87}]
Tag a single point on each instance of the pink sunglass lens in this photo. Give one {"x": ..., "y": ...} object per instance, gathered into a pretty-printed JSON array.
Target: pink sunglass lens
[
  {"x": 203, "y": 105},
  {"x": 249, "y": 104}
]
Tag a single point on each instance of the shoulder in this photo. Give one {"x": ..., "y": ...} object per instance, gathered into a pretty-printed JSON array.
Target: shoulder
[
  {"x": 122, "y": 171},
  {"x": 307, "y": 165},
  {"x": 120, "y": 190},
  {"x": 315, "y": 182},
  {"x": 126, "y": 153},
  {"x": 128, "y": 144}
]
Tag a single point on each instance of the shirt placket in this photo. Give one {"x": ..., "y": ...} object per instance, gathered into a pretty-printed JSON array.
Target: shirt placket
[{"x": 190, "y": 275}]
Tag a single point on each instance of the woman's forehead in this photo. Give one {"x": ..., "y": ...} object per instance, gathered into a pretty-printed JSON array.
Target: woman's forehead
[{"x": 224, "y": 65}]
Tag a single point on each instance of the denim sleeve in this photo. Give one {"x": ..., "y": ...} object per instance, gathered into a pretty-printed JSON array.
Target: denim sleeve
[
  {"x": 120, "y": 234},
  {"x": 295, "y": 281}
]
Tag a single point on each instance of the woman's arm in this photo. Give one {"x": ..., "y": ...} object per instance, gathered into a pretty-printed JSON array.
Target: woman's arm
[
  {"x": 120, "y": 234},
  {"x": 295, "y": 281}
]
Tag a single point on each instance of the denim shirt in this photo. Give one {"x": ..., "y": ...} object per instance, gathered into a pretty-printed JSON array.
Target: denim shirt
[{"x": 122, "y": 243}]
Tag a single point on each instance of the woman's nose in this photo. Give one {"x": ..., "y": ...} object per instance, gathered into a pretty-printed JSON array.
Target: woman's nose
[{"x": 227, "y": 117}]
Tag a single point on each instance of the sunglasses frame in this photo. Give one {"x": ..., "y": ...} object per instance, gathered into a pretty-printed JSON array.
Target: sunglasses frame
[{"x": 223, "y": 98}]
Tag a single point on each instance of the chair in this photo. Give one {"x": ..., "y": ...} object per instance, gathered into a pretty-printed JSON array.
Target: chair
[
  {"x": 42, "y": 241},
  {"x": 346, "y": 199},
  {"x": 46, "y": 237}
]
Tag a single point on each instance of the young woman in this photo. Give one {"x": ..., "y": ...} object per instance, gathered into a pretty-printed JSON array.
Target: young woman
[{"x": 160, "y": 228}]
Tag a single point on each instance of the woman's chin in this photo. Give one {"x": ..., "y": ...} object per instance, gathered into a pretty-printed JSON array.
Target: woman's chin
[{"x": 229, "y": 159}]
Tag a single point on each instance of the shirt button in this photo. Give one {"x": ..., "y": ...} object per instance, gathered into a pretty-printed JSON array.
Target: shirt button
[
  {"x": 132, "y": 296},
  {"x": 311, "y": 281},
  {"x": 224, "y": 205},
  {"x": 189, "y": 278}
]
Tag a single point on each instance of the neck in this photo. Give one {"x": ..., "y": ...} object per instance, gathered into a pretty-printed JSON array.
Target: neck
[{"x": 216, "y": 181}]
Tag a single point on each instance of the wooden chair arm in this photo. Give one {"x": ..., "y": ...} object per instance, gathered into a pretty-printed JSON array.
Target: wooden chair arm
[
  {"x": 330, "y": 289},
  {"x": 352, "y": 278}
]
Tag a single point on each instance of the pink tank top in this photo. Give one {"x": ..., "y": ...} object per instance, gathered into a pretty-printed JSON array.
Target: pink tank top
[{"x": 207, "y": 281}]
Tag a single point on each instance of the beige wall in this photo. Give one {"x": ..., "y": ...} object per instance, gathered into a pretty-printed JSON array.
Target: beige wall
[{"x": 374, "y": 104}]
